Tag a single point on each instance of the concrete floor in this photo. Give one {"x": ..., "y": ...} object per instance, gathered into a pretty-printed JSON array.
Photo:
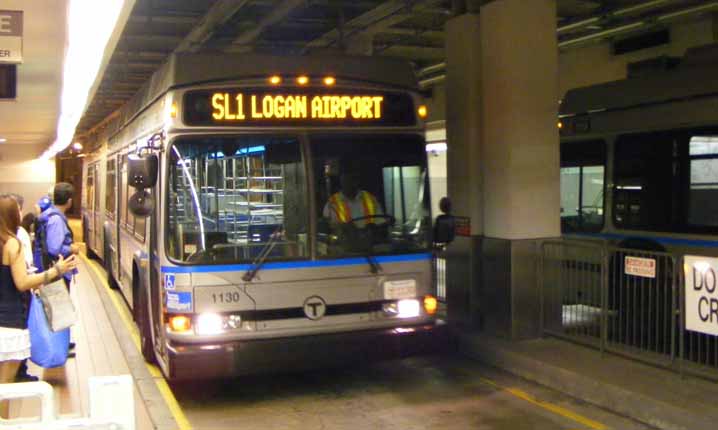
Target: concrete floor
[{"x": 436, "y": 392}]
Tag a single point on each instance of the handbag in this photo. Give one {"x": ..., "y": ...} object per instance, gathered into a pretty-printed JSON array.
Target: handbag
[
  {"x": 58, "y": 306},
  {"x": 47, "y": 348}
]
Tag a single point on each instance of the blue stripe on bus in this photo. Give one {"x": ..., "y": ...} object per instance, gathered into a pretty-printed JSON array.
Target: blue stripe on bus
[
  {"x": 296, "y": 264},
  {"x": 663, "y": 240}
]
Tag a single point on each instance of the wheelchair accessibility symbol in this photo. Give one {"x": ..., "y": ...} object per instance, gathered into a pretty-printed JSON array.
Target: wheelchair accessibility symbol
[{"x": 170, "y": 282}]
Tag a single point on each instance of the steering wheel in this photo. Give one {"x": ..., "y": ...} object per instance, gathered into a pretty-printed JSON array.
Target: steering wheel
[{"x": 391, "y": 220}]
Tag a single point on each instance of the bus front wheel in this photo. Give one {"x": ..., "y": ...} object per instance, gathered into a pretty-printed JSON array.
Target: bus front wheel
[{"x": 142, "y": 316}]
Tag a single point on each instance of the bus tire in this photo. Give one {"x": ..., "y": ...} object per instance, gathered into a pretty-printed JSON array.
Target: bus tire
[
  {"x": 108, "y": 268},
  {"x": 142, "y": 317},
  {"x": 85, "y": 236}
]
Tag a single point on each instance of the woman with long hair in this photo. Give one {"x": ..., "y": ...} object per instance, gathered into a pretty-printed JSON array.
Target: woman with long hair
[{"x": 14, "y": 281}]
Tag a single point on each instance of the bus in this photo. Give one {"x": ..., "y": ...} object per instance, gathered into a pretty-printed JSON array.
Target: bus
[
  {"x": 639, "y": 159},
  {"x": 639, "y": 177},
  {"x": 209, "y": 199}
]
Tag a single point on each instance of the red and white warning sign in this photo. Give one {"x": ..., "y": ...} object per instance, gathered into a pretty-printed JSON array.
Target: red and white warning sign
[{"x": 637, "y": 266}]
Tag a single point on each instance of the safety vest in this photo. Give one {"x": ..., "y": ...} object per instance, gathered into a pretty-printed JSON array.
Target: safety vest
[{"x": 343, "y": 211}]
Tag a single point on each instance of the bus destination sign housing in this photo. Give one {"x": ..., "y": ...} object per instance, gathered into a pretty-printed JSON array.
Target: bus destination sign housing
[{"x": 297, "y": 107}]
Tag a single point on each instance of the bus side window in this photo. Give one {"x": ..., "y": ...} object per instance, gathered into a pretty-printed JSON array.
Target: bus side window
[
  {"x": 123, "y": 190},
  {"x": 582, "y": 186},
  {"x": 111, "y": 190},
  {"x": 702, "y": 199},
  {"x": 646, "y": 169},
  {"x": 90, "y": 188}
]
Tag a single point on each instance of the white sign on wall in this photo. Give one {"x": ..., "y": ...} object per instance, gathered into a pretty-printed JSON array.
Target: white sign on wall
[
  {"x": 701, "y": 290},
  {"x": 10, "y": 36},
  {"x": 637, "y": 266}
]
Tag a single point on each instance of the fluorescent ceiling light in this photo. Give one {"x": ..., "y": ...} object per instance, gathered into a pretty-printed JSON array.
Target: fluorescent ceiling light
[
  {"x": 90, "y": 24},
  {"x": 436, "y": 147}
]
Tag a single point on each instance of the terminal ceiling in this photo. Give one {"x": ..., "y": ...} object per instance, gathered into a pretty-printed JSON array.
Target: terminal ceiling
[{"x": 408, "y": 29}]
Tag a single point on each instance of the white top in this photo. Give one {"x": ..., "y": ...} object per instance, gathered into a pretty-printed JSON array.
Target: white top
[{"x": 24, "y": 239}]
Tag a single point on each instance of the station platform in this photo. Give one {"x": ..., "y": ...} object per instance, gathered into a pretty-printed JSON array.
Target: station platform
[
  {"x": 97, "y": 353},
  {"x": 106, "y": 345},
  {"x": 648, "y": 394}
]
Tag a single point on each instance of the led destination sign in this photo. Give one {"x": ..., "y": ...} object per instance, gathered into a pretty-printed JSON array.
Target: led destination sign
[
  {"x": 295, "y": 108},
  {"x": 230, "y": 107}
]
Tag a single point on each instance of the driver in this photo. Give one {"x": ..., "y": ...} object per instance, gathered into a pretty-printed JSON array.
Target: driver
[{"x": 351, "y": 202}]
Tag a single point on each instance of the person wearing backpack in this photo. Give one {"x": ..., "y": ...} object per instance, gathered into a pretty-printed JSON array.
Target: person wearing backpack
[{"x": 54, "y": 237}]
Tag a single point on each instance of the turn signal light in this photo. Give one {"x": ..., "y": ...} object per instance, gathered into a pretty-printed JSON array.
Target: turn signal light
[
  {"x": 180, "y": 323},
  {"x": 303, "y": 80},
  {"x": 423, "y": 112},
  {"x": 430, "y": 304},
  {"x": 173, "y": 110},
  {"x": 275, "y": 80}
]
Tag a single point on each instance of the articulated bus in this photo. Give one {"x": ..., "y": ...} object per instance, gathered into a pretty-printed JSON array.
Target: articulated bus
[
  {"x": 209, "y": 200},
  {"x": 639, "y": 159}
]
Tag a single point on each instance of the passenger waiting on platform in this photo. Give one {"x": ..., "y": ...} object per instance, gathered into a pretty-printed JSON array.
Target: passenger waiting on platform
[
  {"x": 53, "y": 235},
  {"x": 23, "y": 236},
  {"x": 14, "y": 280}
]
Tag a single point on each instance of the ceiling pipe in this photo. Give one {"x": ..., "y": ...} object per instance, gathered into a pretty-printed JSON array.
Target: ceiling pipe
[{"x": 601, "y": 34}]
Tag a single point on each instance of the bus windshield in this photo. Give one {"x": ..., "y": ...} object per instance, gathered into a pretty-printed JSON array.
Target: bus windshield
[
  {"x": 234, "y": 198},
  {"x": 229, "y": 197},
  {"x": 372, "y": 194}
]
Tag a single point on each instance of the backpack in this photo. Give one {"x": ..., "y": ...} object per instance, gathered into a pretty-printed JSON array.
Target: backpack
[{"x": 41, "y": 257}]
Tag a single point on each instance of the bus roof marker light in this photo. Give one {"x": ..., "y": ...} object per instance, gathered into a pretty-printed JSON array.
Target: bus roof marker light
[
  {"x": 423, "y": 111},
  {"x": 329, "y": 81},
  {"x": 302, "y": 80},
  {"x": 275, "y": 80}
]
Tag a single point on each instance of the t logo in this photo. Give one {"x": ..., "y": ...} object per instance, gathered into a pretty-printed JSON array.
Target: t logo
[{"x": 315, "y": 307}]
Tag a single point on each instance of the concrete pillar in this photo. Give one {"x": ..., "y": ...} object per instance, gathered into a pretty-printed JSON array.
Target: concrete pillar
[
  {"x": 502, "y": 100},
  {"x": 464, "y": 180}
]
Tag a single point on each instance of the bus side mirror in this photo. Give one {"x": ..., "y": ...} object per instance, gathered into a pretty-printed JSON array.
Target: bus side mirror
[
  {"x": 142, "y": 170},
  {"x": 141, "y": 203}
]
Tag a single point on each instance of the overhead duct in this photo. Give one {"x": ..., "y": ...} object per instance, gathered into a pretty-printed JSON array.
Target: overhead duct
[{"x": 615, "y": 31}]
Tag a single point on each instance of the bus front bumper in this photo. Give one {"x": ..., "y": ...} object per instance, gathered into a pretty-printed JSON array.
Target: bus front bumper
[{"x": 212, "y": 361}]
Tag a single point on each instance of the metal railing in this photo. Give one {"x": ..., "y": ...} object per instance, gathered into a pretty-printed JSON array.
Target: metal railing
[
  {"x": 440, "y": 277},
  {"x": 625, "y": 301}
]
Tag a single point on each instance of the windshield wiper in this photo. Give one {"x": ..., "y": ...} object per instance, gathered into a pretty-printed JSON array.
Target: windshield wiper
[
  {"x": 374, "y": 266},
  {"x": 262, "y": 257}
]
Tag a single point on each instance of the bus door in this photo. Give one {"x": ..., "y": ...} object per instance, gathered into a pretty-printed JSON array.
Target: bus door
[
  {"x": 155, "y": 287},
  {"x": 95, "y": 224},
  {"x": 89, "y": 207}
]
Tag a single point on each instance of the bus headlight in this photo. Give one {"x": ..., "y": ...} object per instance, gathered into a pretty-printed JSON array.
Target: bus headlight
[
  {"x": 209, "y": 323},
  {"x": 234, "y": 321},
  {"x": 407, "y": 308}
]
